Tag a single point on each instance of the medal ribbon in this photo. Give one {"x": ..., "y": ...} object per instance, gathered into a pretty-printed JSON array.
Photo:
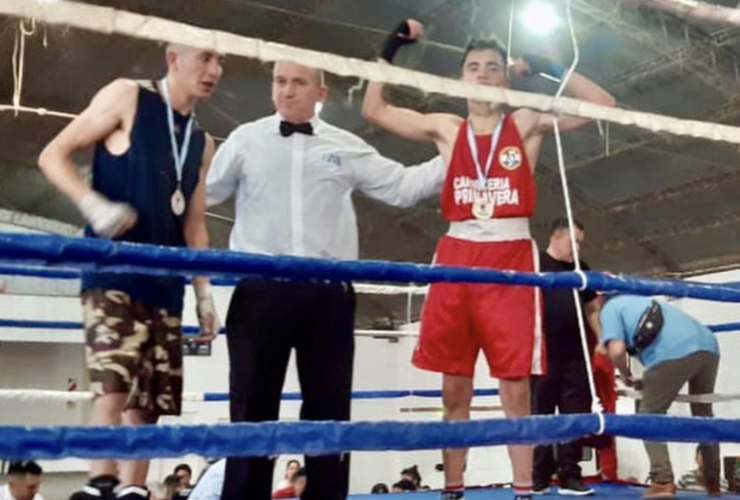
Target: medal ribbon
[
  {"x": 181, "y": 155},
  {"x": 482, "y": 176}
]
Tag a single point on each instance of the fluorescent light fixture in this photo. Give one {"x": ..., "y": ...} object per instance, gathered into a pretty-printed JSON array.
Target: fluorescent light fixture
[{"x": 539, "y": 18}]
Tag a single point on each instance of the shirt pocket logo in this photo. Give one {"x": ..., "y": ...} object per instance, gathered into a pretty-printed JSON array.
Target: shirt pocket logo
[{"x": 332, "y": 158}]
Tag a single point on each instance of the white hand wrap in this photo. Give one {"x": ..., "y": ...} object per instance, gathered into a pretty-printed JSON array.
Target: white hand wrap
[
  {"x": 205, "y": 306},
  {"x": 106, "y": 217}
]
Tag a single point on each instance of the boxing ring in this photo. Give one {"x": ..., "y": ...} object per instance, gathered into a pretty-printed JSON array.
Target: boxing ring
[
  {"x": 58, "y": 257},
  {"x": 61, "y": 256}
]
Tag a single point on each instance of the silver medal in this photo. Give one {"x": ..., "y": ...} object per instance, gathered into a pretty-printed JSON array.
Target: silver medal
[
  {"x": 482, "y": 207},
  {"x": 177, "y": 202}
]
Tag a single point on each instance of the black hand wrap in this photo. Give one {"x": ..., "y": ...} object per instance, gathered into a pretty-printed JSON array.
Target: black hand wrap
[
  {"x": 397, "y": 39},
  {"x": 540, "y": 64}
]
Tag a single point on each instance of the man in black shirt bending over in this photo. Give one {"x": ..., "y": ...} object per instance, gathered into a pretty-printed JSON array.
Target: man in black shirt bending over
[{"x": 565, "y": 386}]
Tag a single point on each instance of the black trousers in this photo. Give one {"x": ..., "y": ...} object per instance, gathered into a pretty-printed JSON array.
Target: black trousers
[
  {"x": 565, "y": 387},
  {"x": 266, "y": 320}
]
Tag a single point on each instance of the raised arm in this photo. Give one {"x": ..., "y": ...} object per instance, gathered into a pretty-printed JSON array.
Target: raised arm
[
  {"x": 578, "y": 86},
  {"x": 404, "y": 122},
  {"x": 388, "y": 181},
  {"x": 108, "y": 111}
]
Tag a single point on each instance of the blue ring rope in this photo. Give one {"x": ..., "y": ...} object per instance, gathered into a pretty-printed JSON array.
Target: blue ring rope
[
  {"x": 322, "y": 438},
  {"x": 106, "y": 255},
  {"x": 382, "y": 394}
]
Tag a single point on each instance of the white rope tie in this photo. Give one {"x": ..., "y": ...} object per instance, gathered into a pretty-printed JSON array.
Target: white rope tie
[
  {"x": 584, "y": 279},
  {"x": 595, "y": 404},
  {"x": 509, "y": 38},
  {"x": 602, "y": 423}
]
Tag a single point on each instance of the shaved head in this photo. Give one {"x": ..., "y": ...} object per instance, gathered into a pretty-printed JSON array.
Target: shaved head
[
  {"x": 296, "y": 90},
  {"x": 318, "y": 74},
  {"x": 194, "y": 72},
  {"x": 178, "y": 48}
]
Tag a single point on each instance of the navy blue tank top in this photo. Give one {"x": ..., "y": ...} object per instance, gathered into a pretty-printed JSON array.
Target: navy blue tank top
[{"x": 145, "y": 178}]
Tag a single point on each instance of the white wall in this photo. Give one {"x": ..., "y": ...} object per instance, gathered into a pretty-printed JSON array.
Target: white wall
[{"x": 48, "y": 359}]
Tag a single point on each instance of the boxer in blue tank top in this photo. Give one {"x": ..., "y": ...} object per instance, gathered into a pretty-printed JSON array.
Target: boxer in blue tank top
[{"x": 149, "y": 165}]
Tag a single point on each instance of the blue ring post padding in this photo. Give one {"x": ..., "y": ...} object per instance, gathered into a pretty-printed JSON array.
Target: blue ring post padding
[
  {"x": 322, "y": 438},
  {"x": 106, "y": 255}
]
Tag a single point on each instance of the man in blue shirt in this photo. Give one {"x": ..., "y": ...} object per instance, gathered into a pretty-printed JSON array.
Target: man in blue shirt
[{"x": 683, "y": 351}]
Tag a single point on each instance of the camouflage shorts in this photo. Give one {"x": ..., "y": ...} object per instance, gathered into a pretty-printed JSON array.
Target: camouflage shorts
[{"x": 133, "y": 348}]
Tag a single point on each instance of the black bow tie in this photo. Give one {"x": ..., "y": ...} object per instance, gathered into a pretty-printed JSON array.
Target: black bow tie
[{"x": 287, "y": 129}]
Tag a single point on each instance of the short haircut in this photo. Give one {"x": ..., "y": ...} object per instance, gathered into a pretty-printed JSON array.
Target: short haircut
[
  {"x": 319, "y": 76},
  {"x": 562, "y": 223},
  {"x": 23, "y": 468},
  {"x": 405, "y": 485},
  {"x": 379, "y": 488},
  {"x": 412, "y": 472},
  {"x": 477, "y": 44},
  {"x": 184, "y": 467}
]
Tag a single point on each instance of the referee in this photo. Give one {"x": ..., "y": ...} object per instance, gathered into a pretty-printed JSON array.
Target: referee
[{"x": 293, "y": 175}]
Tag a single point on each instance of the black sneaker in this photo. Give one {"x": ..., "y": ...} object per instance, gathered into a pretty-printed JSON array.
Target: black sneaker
[
  {"x": 541, "y": 487},
  {"x": 133, "y": 493},
  {"x": 453, "y": 495},
  {"x": 575, "y": 487},
  {"x": 98, "y": 488}
]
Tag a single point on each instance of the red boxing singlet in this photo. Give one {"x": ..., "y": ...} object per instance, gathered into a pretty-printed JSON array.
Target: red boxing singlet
[{"x": 509, "y": 184}]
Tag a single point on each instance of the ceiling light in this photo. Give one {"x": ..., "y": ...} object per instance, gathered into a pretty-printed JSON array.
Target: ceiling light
[{"x": 539, "y": 18}]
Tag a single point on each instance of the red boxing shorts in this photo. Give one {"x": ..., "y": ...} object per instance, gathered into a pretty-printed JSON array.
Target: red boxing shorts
[
  {"x": 460, "y": 319},
  {"x": 605, "y": 382}
]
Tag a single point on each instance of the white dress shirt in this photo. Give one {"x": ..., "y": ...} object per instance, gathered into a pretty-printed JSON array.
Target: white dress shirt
[
  {"x": 293, "y": 194},
  {"x": 210, "y": 484}
]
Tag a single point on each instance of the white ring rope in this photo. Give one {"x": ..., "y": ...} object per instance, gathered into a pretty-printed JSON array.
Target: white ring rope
[
  {"x": 596, "y": 406},
  {"x": 108, "y": 20},
  {"x": 36, "y": 111},
  {"x": 698, "y": 10},
  {"x": 687, "y": 398},
  {"x": 37, "y": 395},
  {"x": 390, "y": 289}
]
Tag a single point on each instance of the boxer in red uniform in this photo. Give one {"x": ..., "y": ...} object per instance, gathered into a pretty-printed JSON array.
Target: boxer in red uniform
[
  {"x": 605, "y": 384},
  {"x": 488, "y": 198}
]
